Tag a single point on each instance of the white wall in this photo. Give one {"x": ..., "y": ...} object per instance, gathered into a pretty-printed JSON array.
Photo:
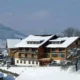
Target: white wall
[{"x": 25, "y": 64}]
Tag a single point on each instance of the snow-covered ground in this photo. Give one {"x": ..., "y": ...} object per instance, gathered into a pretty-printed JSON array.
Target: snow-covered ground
[
  {"x": 18, "y": 70},
  {"x": 43, "y": 73},
  {"x": 48, "y": 73}
]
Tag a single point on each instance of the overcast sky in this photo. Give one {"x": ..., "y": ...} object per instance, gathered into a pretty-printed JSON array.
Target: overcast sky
[{"x": 40, "y": 16}]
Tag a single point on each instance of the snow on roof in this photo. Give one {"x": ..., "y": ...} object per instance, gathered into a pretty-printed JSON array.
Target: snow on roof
[
  {"x": 12, "y": 42},
  {"x": 24, "y": 43},
  {"x": 66, "y": 43}
]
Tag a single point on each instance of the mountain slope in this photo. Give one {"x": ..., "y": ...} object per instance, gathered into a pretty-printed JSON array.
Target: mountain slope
[
  {"x": 9, "y": 33},
  {"x": 6, "y": 33}
]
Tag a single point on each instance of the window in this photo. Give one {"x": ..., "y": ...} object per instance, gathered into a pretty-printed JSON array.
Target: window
[
  {"x": 24, "y": 61},
  {"x": 36, "y": 62},
  {"x": 34, "y": 50},
  {"x": 26, "y": 49},
  {"x": 17, "y": 61},
  {"x": 33, "y": 42},
  {"x": 29, "y": 56},
  {"x": 29, "y": 61},
  {"x": 48, "y": 55},
  {"x": 47, "y": 50},
  {"x": 20, "y": 48},
  {"x": 35, "y": 56},
  {"x": 50, "y": 42},
  {"x": 61, "y": 49},
  {"x": 29, "y": 42},
  {"x": 62, "y": 41},
  {"x": 57, "y": 42},
  {"x": 25, "y": 55},
  {"x": 54, "y": 55},
  {"x": 32, "y": 55},
  {"x": 19, "y": 55},
  {"x": 53, "y": 42},
  {"x": 20, "y": 61},
  {"x": 33, "y": 62},
  {"x": 22, "y": 55},
  {"x": 41, "y": 41},
  {"x": 61, "y": 55},
  {"x": 53, "y": 49},
  {"x": 36, "y": 42}
]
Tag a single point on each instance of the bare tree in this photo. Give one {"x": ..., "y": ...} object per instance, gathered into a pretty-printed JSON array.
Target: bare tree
[
  {"x": 77, "y": 32},
  {"x": 71, "y": 32}
]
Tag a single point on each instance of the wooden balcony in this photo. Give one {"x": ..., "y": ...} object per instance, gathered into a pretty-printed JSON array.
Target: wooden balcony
[
  {"x": 30, "y": 56},
  {"x": 57, "y": 51},
  {"x": 27, "y": 58},
  {"x": 28, "y": 51}
]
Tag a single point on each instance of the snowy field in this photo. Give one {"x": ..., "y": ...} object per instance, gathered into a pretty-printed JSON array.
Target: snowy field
[{"x": 43, "y": 73}]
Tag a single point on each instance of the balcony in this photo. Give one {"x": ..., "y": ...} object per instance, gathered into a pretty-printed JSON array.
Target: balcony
[
  {"x": 28, "y": 51},
  {"x": 57, "y": 51},
  {"x": 34, "y": 56},
  {"x": 27, "y": 58}
]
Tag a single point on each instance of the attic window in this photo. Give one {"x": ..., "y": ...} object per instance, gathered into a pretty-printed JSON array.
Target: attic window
[
  {"x": 41, "y": 41},
  {"x": 57, "y": 42},
  {"x": 33, "y": 42},
  {"x": 62, "y": 41}
]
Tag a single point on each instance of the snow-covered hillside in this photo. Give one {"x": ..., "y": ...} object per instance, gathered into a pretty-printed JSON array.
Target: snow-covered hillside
[
  {"x": 2, "y": 43},
  {"x": 9, "y": 33}
]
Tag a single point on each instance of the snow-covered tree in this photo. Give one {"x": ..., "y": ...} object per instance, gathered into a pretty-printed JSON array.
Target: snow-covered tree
[{"x": 74, "y": 55}]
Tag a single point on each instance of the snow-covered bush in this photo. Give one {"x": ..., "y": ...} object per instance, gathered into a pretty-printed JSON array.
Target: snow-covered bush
[{"x": 65, "y": 64}]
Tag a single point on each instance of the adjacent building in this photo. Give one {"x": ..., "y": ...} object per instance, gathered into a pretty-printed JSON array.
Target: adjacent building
[{"x": 10, "y": 45}]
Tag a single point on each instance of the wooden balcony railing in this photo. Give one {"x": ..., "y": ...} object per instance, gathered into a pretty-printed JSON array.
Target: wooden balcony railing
[
  {"x": 27, "y": 57},
  {"x": 28, "y": 51},
  {"x": 56, "y": 51}
]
